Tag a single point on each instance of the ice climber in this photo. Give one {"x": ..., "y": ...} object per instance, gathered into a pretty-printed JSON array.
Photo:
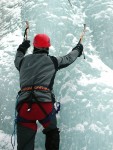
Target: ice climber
[{"x": 36, "y": 100}]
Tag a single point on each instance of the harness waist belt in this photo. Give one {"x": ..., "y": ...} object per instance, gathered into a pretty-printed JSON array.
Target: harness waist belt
[{"x": 35, "y": 88}]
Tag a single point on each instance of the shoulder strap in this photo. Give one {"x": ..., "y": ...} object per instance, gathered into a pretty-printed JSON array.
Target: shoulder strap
[{"x": 55, "y": 62}]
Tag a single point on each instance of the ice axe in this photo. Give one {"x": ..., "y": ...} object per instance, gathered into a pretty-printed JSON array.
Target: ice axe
[
  {"x": 26, "y": 31},
  {"x": 81, "y": 37},
  {"x": 84, "y": 30}
]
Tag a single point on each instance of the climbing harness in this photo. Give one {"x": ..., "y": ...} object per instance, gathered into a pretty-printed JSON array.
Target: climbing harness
[
  {"x": 35, "y": 88},
  {"x": 42, "y": 121},
  {"x": 48, "y": 117},
  {"x": 35, "y": 99}
]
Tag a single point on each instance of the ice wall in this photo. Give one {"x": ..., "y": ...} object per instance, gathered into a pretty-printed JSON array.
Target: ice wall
[{"x": 84, "y": 89}]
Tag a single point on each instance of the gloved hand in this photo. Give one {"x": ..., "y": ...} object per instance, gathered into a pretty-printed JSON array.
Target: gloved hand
[
  {"x": 24, "y": 46},
  {"x": 79, "y": 48}
]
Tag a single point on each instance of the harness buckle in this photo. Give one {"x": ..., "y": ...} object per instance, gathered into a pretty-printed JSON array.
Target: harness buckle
[{"x": 57, "y": 107}]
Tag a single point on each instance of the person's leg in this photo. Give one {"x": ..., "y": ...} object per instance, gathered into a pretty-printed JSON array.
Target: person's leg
[
  {"x": 26, "y": 131},
  {"x": 52, "y": 135},
  {"x": 50, "y": 128},
  {"x": 52, "y": 139},
  {"x": 25, "y": 138},
  {"x": 51, "y": 132}
]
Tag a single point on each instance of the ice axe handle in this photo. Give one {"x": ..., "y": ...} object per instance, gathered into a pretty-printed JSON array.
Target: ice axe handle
[
  {"x": 79, "y": 41},
  {"x": 82, "y": 35},
  {"x": 26, "y": 31}
]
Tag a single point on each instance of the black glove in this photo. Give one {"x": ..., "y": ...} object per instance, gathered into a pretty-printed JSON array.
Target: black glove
[
  {"x": 79, "y": 48},
  {"x": 24, "y": 46}
]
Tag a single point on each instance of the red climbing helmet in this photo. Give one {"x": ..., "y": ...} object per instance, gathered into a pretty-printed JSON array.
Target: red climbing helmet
[{"x": 41, "y": 41}]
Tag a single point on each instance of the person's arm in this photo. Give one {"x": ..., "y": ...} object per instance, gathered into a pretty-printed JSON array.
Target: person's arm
[
  {"x": 20, "y": 53},
  {"x": 68, "y": 59}
]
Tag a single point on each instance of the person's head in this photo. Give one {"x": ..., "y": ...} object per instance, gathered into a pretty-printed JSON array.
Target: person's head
[{"x": 41, "y": 42}]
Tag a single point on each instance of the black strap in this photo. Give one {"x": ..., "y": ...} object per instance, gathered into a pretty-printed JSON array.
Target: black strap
[
  {"x": 21, "y": 119},
  {"x": 48, "y": 117},
  {"x": 55, "y": 62}
]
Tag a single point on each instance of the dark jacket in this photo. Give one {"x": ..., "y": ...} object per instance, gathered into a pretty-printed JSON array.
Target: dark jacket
[{"x": 40, "y": 69}]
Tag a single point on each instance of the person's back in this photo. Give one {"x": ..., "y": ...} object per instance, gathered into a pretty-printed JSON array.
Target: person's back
[
  {"x": 39, "y": 67},
  {"x": 37, "y": 73}
]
